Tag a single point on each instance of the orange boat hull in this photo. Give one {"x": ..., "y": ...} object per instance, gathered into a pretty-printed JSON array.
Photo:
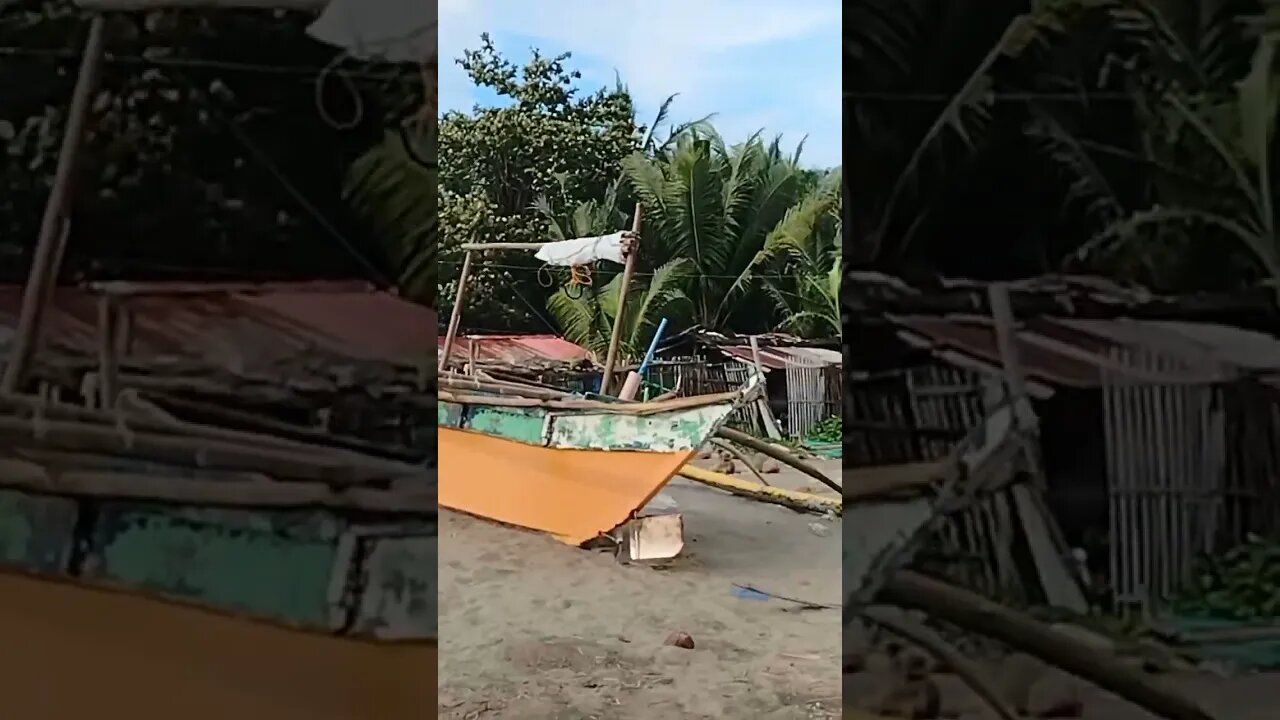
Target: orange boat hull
[
  {"x": 574, "y": 494},
  {"x": 72, "y": 651}
]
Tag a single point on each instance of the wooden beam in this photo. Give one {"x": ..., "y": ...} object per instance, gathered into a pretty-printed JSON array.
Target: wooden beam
[
  {"x": 54, "y": 225},
  {"x": 766, "y": 414},
  {"x": 1015, "y": 379}
]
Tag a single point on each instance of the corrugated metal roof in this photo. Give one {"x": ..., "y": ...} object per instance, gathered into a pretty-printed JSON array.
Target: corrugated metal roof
[
  {"x": 775, "y": 358},
  {"x": 520, "y": 349},
  {"x": 241, "y": 327},
  {"x": 1077, "y": 353}
]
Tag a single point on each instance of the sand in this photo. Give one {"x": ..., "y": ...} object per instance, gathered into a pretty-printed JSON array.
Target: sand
[{"x": 531, "y": 628}]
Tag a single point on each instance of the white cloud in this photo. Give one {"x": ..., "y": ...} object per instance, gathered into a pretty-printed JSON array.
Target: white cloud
[{"x": 708, "y": 51}]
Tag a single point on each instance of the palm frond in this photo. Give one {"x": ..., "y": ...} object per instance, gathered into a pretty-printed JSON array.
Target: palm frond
[
  {"x": 1129, "y": 229},
  {"x": 396, "y": 196}
]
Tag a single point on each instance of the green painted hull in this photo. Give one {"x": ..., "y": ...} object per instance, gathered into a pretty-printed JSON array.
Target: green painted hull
[
  {"x": 331, "y": 571},
  {"x": 665, "y": 431}
]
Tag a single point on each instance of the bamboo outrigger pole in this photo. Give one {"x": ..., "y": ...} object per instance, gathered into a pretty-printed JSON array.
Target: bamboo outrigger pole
[{"x": 615, "y": 339}]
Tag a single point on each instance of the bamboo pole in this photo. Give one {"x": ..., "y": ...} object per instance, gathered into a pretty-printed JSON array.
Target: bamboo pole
[
  {"x": 196, "y": 452},
  {"x": 501, "y": 389},
  {"x": 227, "y": 491},
  {"x": 945, "y": 653},
  {"x": 481, "y": 247},
  {"x": 629, "y": 270},
  {"x": 598, "y": 406},
  {"x": 52, "y": 240},
  {"x": 455, "y": 315},
  {"x": 79, "y": 421},
  {"x": 974, "y": 613},
  {"x": 780, "y": 455},
  {"x": 288, "y": 431},
  {"x": 794, "y": 499}
]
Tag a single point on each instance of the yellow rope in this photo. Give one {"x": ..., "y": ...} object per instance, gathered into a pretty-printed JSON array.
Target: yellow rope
[{"x": 580, "y": 276}]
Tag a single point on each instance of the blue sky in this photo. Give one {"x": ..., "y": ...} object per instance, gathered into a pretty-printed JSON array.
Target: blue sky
[{"x": 771, "y": 64}]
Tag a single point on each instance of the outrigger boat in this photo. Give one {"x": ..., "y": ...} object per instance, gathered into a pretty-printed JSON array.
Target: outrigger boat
[
  {"x": 574, "y": 467},
  {"x": 182, "y": 570},
  {"x": 154, "y": 566},
  {"x": 580, "y": 468}
]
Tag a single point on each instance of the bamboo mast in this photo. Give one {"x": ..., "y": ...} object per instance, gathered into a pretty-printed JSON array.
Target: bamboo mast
[
  {"x": 455, "y": 315},
  {"x": 628, "y": 271},
  {"x": 54, "y": 225}
]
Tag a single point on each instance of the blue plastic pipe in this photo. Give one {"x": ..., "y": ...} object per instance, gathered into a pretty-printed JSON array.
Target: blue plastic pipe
[{"x": 653, "y": 346}]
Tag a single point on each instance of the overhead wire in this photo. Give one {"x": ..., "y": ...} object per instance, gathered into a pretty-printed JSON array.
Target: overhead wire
[
  {"x": 547, "y": 285},
  {"x": 371, "y": 270},
  {"x": 308, "y": 72},
  {"x": 319, "y": 75},
  {"x": 996, "y": 96},
  {"x": 638, "y": 273}
]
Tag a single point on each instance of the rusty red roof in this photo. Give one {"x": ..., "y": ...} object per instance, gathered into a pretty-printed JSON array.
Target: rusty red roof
[
  {"x": 241, "y": 327},
  {"x": 520, "y": 349}
]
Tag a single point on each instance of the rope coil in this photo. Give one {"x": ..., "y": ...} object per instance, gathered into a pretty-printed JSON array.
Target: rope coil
[{"x": 580, "y": 278}]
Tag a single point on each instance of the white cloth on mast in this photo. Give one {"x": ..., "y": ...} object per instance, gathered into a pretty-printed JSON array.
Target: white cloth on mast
[
  {"x": 582, "y": 251},
  {"x": 386, "y": 30}
]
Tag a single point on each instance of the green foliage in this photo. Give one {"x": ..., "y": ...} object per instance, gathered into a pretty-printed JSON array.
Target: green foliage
[
  {"x": 547, "y": 164},
  {"x": 805, "y": 251},
  {"x": 545, "y": 145},
  {"x": 830, "y": 430},
  {"x": 192, "y": 168},
  {"x": 393, "y": 188},
  {"x": 1230, "y": 131},
  {"x": 588, "y": 319},
  {"x": 716, "y": 206},
  {"x": 1242, "y": 584},
  {"x": 728, "y": 229},
  {"x": 999, "y": 139}
]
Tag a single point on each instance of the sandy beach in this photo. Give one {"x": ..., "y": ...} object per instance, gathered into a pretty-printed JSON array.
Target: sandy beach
[{"x": 531, "y": 628}]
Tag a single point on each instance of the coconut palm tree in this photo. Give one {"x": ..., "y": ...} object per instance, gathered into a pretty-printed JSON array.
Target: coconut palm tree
[
  {"x": 709, "y": 209},
  {"x": 1210, "y": 126},
  {"x": 804, "y": 254},
  {"x": 714, "y": 206},
  {"x": 962, "y": 114}
]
